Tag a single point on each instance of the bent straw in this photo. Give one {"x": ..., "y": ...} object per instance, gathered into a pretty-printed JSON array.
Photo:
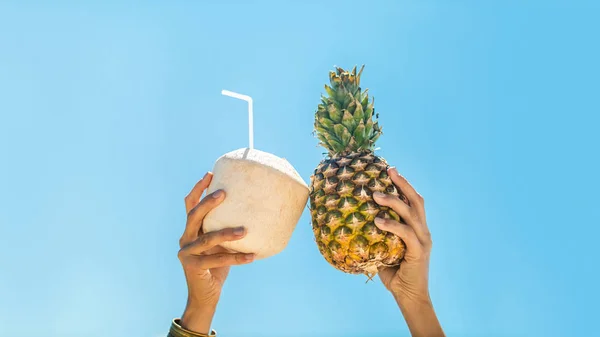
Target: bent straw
[{"x": 250, "y": 117}]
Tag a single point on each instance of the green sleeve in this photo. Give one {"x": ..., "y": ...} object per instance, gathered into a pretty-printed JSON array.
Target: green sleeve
[{"x": 177, "y": 331}]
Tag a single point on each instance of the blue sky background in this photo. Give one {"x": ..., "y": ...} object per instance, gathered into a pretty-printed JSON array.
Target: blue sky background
[{"x": 111, "y": 111}]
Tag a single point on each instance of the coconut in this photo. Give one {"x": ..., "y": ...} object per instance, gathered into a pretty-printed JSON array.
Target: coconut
[{"x": 264, "y": 194}]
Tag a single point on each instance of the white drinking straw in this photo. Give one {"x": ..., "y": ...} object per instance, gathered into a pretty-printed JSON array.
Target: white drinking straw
[{"x": 250, "y": 118}]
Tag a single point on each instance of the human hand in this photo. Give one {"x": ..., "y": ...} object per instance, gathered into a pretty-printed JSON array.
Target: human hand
[
  {"x": 409, "y": 282},
  {"x": 205, "y": 263},
  {"x": 411, "y": 278}
]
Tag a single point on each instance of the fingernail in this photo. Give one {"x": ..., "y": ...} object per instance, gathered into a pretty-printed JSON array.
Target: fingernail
[
  {"x": 217, "y": 194},
  {"x": 249, "y": 257},
  {"x": 238, "y": 231},
  {"x": 378, "y": 195},
  {"x": 379, "y": 222}
]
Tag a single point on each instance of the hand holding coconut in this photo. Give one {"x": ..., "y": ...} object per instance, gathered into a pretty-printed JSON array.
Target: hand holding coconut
[
  {"x": 266, "y": 199},
  {"x": 205, "y": 263}
]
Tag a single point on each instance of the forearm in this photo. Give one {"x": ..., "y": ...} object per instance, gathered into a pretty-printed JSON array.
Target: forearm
[{"x": 420, "y": 317}]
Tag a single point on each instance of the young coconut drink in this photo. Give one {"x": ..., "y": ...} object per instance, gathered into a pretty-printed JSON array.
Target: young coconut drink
[
  {"x": 264, "y": 193},
  {"x": 342, "y": 186}
]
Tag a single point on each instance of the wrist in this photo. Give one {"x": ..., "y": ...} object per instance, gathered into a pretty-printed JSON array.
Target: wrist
[
  {"x": 198, "y": 318},
  {"x": 412, "y": 300}
]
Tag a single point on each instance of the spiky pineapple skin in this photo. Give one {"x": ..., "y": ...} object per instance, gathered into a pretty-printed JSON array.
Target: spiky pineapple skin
[{"x": 343, "y": 212}]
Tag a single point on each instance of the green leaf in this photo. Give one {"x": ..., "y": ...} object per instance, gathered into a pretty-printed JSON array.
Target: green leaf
[
  {"x": 330, "y": 91},
  {"x": 347, "y": 99},
  {"x": 352, "y": 145},
  {"x": 339, "y": 130},
  {"x": 346, "y": 137},
  {"x": 324, "y": 100},
  {"x": 365, "y": 100},
  {"x": 333, "y": 135},
  {"x": 369, "y": 111},
  {"x": 326, "y": 123},
  {"x": 338, "y": 147},
  {"x": 358, "y": 93},
  {"x": 342, "y": 133},
  {"x": 334, "y": 113},
  {"x": 324, "y": 141},
  {"x": 359, "y": 74},
  {"x": 321, "y": 130},
  {"x": 334, "y": 142},
  {"x": 359, "y": 133},
  {"x": 369, "y": 129},
  {"x": 348, "y": 121},
  {"x": 375, "y": 137},
  {"x": 365, "y": 93},
  {"x": 376, "y": 133},
  {"x": 351, "y": 107},
  {"x": 359, "y": 115},
  {"x": 322, "y": 112},
  {"x": 336, "y": 103}
]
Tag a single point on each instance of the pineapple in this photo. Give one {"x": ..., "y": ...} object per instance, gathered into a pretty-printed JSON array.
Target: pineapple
[{"x": 341, "y": 189}]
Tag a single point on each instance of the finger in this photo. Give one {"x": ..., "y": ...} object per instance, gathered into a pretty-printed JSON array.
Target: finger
[
  {"x": 209, "y": 240},
  {"x": 197, "y": 214},
  {"x": 222, "y": 260},
  {"x": 398, "y": 206},
  {"x": 407, "y": 213},
  {"x": 413, "y": 197},
  {"x": 193, "y": 198},
  {"x": 405, "y": 232}
]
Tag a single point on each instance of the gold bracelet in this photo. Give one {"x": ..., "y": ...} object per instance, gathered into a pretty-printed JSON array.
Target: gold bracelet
[{"x": 177, "y": 331}]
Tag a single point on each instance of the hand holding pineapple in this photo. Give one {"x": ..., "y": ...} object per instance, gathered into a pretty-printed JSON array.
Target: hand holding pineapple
[
  {"x": 205, "y": 263},
  {"x": 366, "y": 218},
  {"x": 409, "y": 282},
  {"x": 410, "y": 279}
]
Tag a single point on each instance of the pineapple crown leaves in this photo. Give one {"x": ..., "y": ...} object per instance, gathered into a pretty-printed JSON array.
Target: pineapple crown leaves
[{"x": 345, "y": 120}]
